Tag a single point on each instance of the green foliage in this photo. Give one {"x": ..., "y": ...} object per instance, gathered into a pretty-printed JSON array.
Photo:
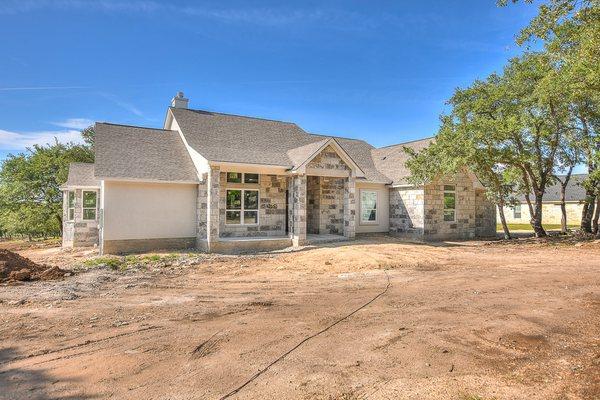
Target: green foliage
[
  {"x": 30, "y": 196},
  {"x": 132, "y": 261}
]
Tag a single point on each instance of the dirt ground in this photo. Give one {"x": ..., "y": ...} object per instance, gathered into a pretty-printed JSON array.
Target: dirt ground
[{"x": 469, "y": 320}]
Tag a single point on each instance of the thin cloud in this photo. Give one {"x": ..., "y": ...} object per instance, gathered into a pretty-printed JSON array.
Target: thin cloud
[
  {"x": 74, "y": 123},
  {"x": 123, "y": 104},
  {"x": 21, "y": 140},
  {"x": 18, "y": 88}
]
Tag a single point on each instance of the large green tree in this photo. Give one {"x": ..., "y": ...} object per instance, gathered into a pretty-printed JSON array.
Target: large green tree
[{"x": 30, "y": 197}]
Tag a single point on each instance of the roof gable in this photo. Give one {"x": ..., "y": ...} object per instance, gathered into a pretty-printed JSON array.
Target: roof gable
[{"x": 312, "y": 155}]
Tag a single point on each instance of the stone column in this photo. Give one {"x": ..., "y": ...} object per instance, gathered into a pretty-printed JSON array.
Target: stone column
[
  {"x": 212, "y": 218},
  {"x": 202, "y": 214},
  {"x": 350, "y": 207},
  {"x": 298, "y": 195}
]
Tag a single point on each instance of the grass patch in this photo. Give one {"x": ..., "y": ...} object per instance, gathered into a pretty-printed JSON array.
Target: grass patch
[
  {"x": 131, "y": 261},
  {"x": 527, "y": 227}
]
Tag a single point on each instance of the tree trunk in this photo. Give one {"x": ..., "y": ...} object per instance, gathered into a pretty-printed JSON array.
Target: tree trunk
[
  {"x": 536, "y": 218},
  {"x": 588, "y": 212},
  {"x": 503, "y": 221},
  {"x": 596, "y": 217},
  {"x": 563, "y": 205}
]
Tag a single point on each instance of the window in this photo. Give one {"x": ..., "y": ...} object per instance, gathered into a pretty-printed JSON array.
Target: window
[
  {"x": 236, "y": 177},
  {"x": 241, "y": 207},
  {"x": 517, "y": 212},
  {"x": 449, "y": 203},
  {"x": 71, "y": 201},
  {"x": 368, "y": 206},
  {"x": 250, "y": 178},
  {"x": 89, "y": 205}
]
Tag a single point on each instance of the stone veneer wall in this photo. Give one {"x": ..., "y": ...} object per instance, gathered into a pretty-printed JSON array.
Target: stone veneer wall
[
  {"x": 328, "y": 159},
  {"x": 297, "y": 209},
  {"x": 350, "y": 207},
  {"x": 407, "y": 215},
  {"x": 485, "y": 215},
  {"x": 271, "y": 212},
  {"x": 79, "y": 232},
  {"x": 325, "y": 205},
  {"x": 332, "y": 206},
  {"x": 472, "y": 219},
  {"x": 313, "y": 204}
]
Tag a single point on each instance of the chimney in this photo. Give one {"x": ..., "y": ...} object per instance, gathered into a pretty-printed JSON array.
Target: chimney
[{"x": 179, "y": 101}]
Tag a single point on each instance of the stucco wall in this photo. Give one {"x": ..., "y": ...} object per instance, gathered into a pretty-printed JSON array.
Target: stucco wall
[
  {"x": 271, "y": 209},
  {"x": 383, "y": 208},
  {"x": 551, "y": 214},
  {"x": 406, "y": 210},
  {"x": 134, "y": 210}
]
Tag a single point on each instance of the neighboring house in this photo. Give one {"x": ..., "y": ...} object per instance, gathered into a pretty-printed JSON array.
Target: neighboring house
[
  {"x": 551, "y": 212},
  {"x": 223, "y": 182}
]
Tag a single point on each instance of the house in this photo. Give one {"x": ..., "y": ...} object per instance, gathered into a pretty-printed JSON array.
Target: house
[
  {"x": 221, "y": 182},
  {"x": 551, "y": 212}
]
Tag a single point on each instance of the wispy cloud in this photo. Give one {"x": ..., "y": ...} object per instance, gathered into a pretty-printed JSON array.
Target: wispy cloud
[
  {"x": 19, "y": 141},
  {"x": 74, "y": 123},
  {"x": 277, "y": 16},
  {"x": 20, "y": 88},
  {"x": 123, "y": 104}
]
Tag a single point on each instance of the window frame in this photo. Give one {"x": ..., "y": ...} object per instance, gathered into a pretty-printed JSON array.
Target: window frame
[
  {"x": 449, "y": 191},
  {"x": 83, "y": 208},
  {"x": 243, "y": 208},
  {"x": 515, "y": 212},
  {"x": 69, "y": 207},
  {"x": 367, "y": 222},
  {"x": 242, "y": 178}
]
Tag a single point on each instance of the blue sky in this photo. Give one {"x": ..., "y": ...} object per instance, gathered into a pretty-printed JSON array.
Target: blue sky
[{"x": 377, "y": 70}]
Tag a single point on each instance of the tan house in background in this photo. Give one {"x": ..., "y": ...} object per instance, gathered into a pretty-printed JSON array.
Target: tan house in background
[
  {"x": 222, "y": 182},
  {"x": 551, "y": 212}
]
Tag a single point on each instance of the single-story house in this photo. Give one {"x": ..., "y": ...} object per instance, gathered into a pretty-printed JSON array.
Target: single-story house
[
  {"x": 551, "y": 212},
  {"x": 222, "y": 182}
]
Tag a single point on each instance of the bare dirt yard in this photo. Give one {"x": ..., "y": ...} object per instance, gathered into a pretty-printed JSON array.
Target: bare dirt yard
[{"x": 468, "y": 320}]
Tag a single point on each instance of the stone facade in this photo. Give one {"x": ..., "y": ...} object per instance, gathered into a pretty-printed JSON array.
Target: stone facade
[
  {"x": 271, "y": 208},
  {"x": 325, "y": 205},
  {"x": 350, "y": 207},
  {"x": 419, "y": 212},
  {"x": 297, "y": 205},
  {"x": 202, "y": 214},
  {"x": 79, "y": 232},
  {"x": 328, "y": 159},
  {"x": 407, "y": 212}
]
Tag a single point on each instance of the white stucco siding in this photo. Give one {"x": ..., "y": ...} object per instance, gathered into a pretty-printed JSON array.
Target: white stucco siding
[
  {"x": 134, "y": 210},
  {"x": 383, "y": 208}
]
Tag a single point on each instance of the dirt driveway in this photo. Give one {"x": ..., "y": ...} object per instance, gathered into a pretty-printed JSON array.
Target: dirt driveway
[{"x": 458, "y": 321}]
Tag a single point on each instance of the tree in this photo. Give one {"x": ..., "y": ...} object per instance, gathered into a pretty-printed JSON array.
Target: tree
[
  {"x": 30, "y": 197},
  {"x": 570, "y": 32}
]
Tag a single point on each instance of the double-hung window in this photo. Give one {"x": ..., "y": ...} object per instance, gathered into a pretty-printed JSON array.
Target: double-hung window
[
  {"x": 238, "y": 177},
  {"x": 241, "y": 207},
  {"x": 90, "y": 204},
  {"x": 368, "y": 206},
  {"x": 71, "y": 202},
  {"x": 449, "y": 203},
  {"x": 517, "y": 212}
]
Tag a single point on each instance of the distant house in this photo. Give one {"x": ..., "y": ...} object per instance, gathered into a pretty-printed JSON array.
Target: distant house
[
  {"x": 222, "y": 182},
  {"x": 551, "y": 212}
]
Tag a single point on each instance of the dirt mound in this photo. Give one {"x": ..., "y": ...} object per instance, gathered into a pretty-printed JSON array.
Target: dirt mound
[{"x": 13, "y": 267}]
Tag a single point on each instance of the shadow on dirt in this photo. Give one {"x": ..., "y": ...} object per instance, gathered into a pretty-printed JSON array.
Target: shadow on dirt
[{"x": 36, "y": 384}]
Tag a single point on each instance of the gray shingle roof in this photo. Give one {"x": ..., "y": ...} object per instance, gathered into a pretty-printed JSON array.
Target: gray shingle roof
[
  {"x": 81, "y": 174},
  {"x": 132, "y": 152},
  {"x": 575, "y": 192},
  {"x": 391, "y": 160}
]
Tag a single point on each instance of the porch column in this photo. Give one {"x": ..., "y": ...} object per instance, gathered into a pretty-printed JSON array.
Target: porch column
[
  {"x": 298, "y": 197},
  {"x": 350, "y": 207},
  {"x": 202, "y": 214},
  {"x": 212, "y": 215}
]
